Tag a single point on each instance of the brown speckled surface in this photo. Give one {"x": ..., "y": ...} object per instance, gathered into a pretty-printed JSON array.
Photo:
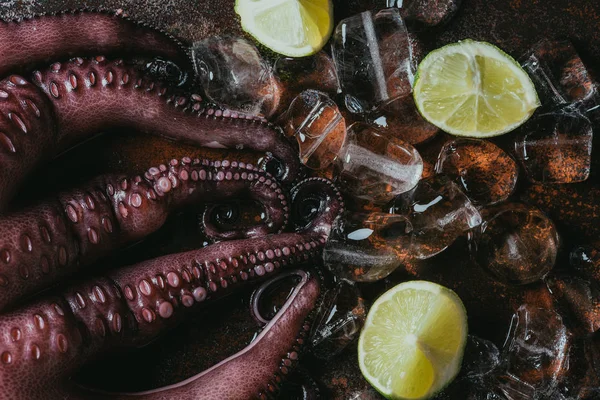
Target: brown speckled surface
[{"x": 514, "y": 25}]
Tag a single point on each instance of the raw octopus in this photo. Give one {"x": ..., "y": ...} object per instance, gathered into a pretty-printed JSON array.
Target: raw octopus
[
  {"x": 45, "y": 338},
  {"x": 52, "y": 109}
]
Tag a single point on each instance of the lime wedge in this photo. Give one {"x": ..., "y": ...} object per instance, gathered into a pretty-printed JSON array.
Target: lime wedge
[
  {"x": 295, "y": 28},
  {"x": 412, "y": 344},
  {"x": 474, "y": 89}
]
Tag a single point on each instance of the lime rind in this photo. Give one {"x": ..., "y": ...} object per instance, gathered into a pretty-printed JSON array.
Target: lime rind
[
  {"x": 445, "y": 365},
  {"x": 295, "y": 28},
  {"x": 435, "y": 106}
]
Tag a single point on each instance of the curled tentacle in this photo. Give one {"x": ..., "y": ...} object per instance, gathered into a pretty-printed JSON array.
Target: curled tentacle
[
  {"x": 164, "y": 71},
  {"x": 199, "y": 276},
  {"x": 82, "y": 32},
  {"x": 316, "y": 203},
  {"x": 42, "y": 344},
  {"x": 78, "y": 98},
  {"x": 52, "y": 240},
  {"x": 259, "y": 292},
  {"x": 91, "y": 95},
  {"x": 257, "y": 370},
  {"x": 220, "y": 223},
  {"x": 132, "y": 306},
  {"x": 280, "y": 167}
]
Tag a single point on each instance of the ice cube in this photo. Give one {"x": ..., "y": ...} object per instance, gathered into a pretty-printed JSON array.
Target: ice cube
[
  {"x": 534, "y": 355},
  {"x": 559, "y": 75},
  {"x": 586, "y": 261},
  {"x": 439, "y": 213},
  {"x": 315, "y": 121},
  {"x": 429, "y": 12},
  {"x": 472, "y": 389},
  {"x": 481, "y": 357},
  {"x": 298, "y": 74},
  {"x": 533, "y": 361},
  {"x": 233, "y": 74},
  {"x": 399, "y": 118},
  {"x": 556, "y": 147},
  {"x": 338, "y": 321},
  {"x": 583, "y": 379},
  {"x": 375, "y": 168},
  {"x": 475, "y": 380},
  {"x": 486, "y": 173},
  {"x": 580, "y": 298},
  {"x": 515, "y": 389},
  {"x": 517, "y": 243},
  {"x": 367, "y": 247},
  {"x": 373, "y": 55}
]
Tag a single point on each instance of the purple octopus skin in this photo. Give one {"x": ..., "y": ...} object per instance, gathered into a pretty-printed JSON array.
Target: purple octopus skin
[
  {"x": 42, "y": 344},
  {"x": 39, "y": 39},
  {"x": 69, "y": 102},
  {"x": 47, "y": 242},
  {"x": 270, "y": 356}
]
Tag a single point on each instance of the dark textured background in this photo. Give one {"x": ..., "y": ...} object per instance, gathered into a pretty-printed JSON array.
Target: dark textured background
[{"x": 514, "y": 25}]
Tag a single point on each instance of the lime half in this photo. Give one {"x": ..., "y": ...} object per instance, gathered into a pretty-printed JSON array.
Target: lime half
[
  {"x": 413, "y": 340},
  {"x": 474, "y": 89},
  {"x": 295, "y": 28}
]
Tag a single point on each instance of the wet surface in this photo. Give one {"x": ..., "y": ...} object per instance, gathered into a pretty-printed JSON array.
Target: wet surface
[{"x": 514, "y": 25}]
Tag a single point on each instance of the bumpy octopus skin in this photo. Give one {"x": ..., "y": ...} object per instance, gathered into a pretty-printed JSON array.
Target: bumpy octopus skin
[
  {"x": 43, "y": 343},
  {"x": 42, "y": 38},
  {"x": 69, "y": 102},
  {"x": 50, "y": 241},
  {"x": 60, "y": 106},
  {"x": 45, "y": 112},
  {"x": 243, "y": 375}
]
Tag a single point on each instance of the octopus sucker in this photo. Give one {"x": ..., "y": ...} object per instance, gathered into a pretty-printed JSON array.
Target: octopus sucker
[
  {"x": 50, "y": 110},
  {"x": 65, "y": 114},
  {"x": 132, "y": 306},
  {"x": 56, "y": 94},
  {"x": 79, "y": 32},
  {"x": 79, "y": 226},
  {"x": 264, "y": 356}
]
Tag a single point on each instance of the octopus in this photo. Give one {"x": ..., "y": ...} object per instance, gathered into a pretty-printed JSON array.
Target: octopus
[{"x": 64, "y": 83}]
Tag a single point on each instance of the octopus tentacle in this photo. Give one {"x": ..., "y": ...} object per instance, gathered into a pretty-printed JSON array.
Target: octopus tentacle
[
  {"x": 27, "y": 132},
  {"x": 257, "y": 295},
  {"x": 48, "y": 111},
  {"x": 43, "y": 343},
  {"x": 96, "y": 94},
  {"x": 271, "y": 219},
  {"x": 129, "y": 307},
  {"x": 257, "y": 370},
  {"x": 316, "y": 203},
  {"x": 185, "y": 279},
  {"x": 41, "y": 245},
  {"x": 33, "y": 40},
  {"x": 91, "y": 94},
  {"x": 82, "y": 97}
]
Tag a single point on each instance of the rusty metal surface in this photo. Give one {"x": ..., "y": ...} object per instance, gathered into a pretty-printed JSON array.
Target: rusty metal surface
[{"x": 514, "y": 25}]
